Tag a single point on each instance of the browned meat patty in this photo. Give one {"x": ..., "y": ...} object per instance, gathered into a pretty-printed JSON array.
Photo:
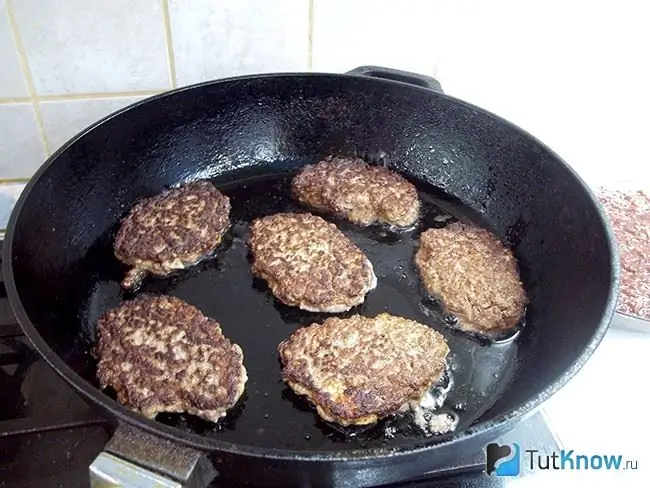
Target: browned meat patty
[
  {"x": 161, "y": 354},
  {"x": 475, "y": 276},
  {"x": 309, "y": 263},
  {"x": 172, "y": 231},
  {"x": 361, "y": 193},
  {"x": 358, "y": 370}
]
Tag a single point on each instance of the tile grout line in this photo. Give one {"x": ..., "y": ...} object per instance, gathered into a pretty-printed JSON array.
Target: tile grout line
[
  {"x": 92, "y": 96},
  {"x": 171, "y": 61},
  {"x": 82, "y": 96},
  {"x": 440, "y": 37},
  {"x": 6, "y": 101},
  {"x": 310, "y": 37},
  {"x": 27, "y": 74},
  {"x": 14, "y": 181}
]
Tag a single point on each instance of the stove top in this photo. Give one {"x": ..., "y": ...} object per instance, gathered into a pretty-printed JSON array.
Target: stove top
[{"x": 49, "y": 435}]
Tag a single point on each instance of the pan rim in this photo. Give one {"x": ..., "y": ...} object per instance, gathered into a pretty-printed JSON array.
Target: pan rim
[{"x": 202, "y": 443}]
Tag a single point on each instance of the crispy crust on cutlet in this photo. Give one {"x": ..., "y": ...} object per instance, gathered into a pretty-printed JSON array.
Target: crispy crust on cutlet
[
  {"x": 161, "y": 354},
  {"x": 358, "y": 370},
  {"x": 309, "y": 263},
  {"x": 475, "y": 276},
  {"x": 172, "y": 230},
  {"x": 359, "y": 192}
]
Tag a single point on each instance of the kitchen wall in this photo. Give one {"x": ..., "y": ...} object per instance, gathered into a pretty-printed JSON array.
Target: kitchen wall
[{"x": 575, "y": 73}]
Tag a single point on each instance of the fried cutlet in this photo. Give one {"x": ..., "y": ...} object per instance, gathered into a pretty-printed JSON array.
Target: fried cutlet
[
  {"x": 359, "y": 192},
  {"x": 309, "y": 263},
  {"x": 171, "y": 231},
  {"x": 161, "y": 354},
  {"x": 474, "y": 275},
  {"x": 358, "y": 370}
]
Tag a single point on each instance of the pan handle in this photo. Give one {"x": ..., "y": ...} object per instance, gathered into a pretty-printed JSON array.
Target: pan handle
[
  {"x": 134, "y": 458},
  {"x": 398, "y": 75}
]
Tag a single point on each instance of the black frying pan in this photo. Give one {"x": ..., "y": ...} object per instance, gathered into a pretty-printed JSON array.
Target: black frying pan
[{"x": 249, "y": 135}]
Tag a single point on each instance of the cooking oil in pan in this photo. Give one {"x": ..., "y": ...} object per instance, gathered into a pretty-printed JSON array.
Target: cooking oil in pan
[{"x": 270, "y": 414}]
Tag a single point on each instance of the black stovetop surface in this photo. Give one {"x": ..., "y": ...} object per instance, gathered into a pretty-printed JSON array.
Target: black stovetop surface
[{"x": 49, "y": 435}]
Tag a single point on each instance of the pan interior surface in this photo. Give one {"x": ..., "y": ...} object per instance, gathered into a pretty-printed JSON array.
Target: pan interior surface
[
  {"x": 270, "y": 415},
  {"x": 249, "y": 136}
]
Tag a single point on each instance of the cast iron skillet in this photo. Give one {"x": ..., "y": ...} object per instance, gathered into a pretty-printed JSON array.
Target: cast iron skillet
[{"x": 249, "y": 135}]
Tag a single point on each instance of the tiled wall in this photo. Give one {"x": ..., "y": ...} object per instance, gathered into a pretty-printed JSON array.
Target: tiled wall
[{"x": 575, "y": 72}]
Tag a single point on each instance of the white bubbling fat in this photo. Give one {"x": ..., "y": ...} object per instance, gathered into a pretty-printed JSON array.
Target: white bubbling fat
[{"x": 425, "y": 413}]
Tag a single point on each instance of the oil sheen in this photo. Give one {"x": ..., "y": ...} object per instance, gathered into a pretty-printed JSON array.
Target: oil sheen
[{"x": 269, "y": 414}]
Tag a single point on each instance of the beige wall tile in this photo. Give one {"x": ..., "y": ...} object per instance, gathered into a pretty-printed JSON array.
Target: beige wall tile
[
  {"x": 397, "y": 34},
  {"x": 87, "y": 46},
  {"x": 214, "y": 39},
  {"x": 64, "y": 119},
  {"x": 9, "y": 193},
  {"x": 572, "y": 73},
  {"x": 21, "y": 149},
  {"x": 12, "y": 82}
]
